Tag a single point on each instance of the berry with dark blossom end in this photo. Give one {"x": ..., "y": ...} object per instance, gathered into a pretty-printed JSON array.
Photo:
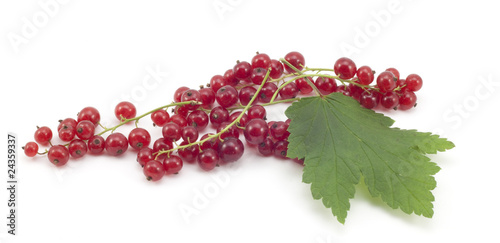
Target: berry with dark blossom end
[
  {"x": 276, "y": 69},
  {"x": 258, "y": 75},
  {"x": 84, "y": 129},
  {"x": 68, "y": 121},
  {"x": 345, "y": 68},
  {"x": 172, "y": 164},
  {"x": 208, "y": 159},
  {"x": 267, "y": 92},
  {"x": 369, "y": 99},
  {"x": 66, "y": 133},
  {"x": 266, "y": 148},
  {"x": 30, "y": 149},
  {"x": 144, "y": 155},
  {"x": 246, "y": 94},
  {"x": 189, "y": 154},
  {"x": 290, "y": 91},
  {"x": 125, "y": 110},
  {"x": 227, "y": 96},
  {"x": 407, "y": 100},
  {"x": 365, "y": 75},
  {"x": 413, "y": 82},
  {"x": 230, "y": 79},
  {"x": 261, "y": 60},
  {"x": 218, "y": 115},
  {"x": 58, "y": 155},
  {"x": 193, "y": 96},
  {"x": 207, "y": 97},
  {"x": 198, "y": 119},
  {"x": 280, "y": 149},
  {"x": 325, "y": 85},
  {"x": 43, "y": 135},
  {"x": 386, "y": 81},
  {"x": 160, "y": 117},
  {"x": 303, "y": 85},
  {"x": 389, "y": 100},
  {"x": 139, "y": 138},
  {"x": 116, "y": 144},
  {"x": 279, "y": 130},
  {"x": 217, "y": 82},
  {"x": 89, "y": 114},
  {"x": 178, "y": 93},
  {"x": 153, "y": 170},
  {"x": 77, "y": 148},
  {"x": 242, "y": 70},
  {"x": 230, "y": 150},
  {"x": 96, "y": 144},
  {"x": 393, "y": 71},
  {"x": 296, "y": 59}
]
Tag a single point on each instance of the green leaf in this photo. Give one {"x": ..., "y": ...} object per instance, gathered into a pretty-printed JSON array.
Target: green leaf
[{"x": 341, "y": 142}]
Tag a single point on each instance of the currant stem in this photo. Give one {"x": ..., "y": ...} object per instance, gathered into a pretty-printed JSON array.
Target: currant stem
[{"x": 301, "y": 73}]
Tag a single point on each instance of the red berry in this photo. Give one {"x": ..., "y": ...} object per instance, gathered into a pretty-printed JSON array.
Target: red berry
[
  {"x": 290, "y": 91},
  {"x": 189, "y": 133},
  {"x": 181, "y": 110},
  {"x": 365, "y": 75},
  {"x": 172, "y": 164},
  {"x": 325, "y": 85},
  {"x": 218, "y": 115},
  {"x": 230, "y": 150},
  {"x": 230, "y": 132},
  {"x": 179, "y": 120},
  {"x": 280, "y": 149},
  {"x": 116, "y": 144},
  {"x": 407, "y": 100},
  {"x": 256, "y": 111},
  {"x": 43, "y": 135},
  {"x": 207, "y": 97},
  {"x": 389, "y": 100},
  {"x": 144, "y": 155},
  {"x": 190, "y": 153},
  {"x": 227, "y": 96},
  {"x": 296, "y": 59},
  {"x": 58, "y": 155},
  {"x": 77, "y": 148},
  {"x": 68, "y": 121},
  {"x": 345, "y": 68},
  {"x": 393, "y": 71},
  {"x": 303, "y": 85},
  {"x": 208, "y": 159},
  {"x": 242, "y": 70},
  {"x": 210, "y": 143},
  {"x": 256, "y": 131},
  {"x": 96, "y": 144},
  {"x": 30, "y": 149},
  {"x": 230, "y": 79},
  {"x": 89, "y": 114},
  {"x": 267, "y": 92},
  {"x": 198, "y": 119},
  {"x": 85, "y": 129},
  {"x": 261, "y": 60},
  {"x": 276, "y": 69},
  {"x": 355, "y": 91},
  {"x": 386, "y": 81},
  {"x": 171, "y": 131},
  {"x": 160, "y": 117},
  {"x": 369, "y": 99},
  {"x": 217, "y": 82},
  {"x": 191, "y": 95},
  {"x": 279, "y": 130},
  {"x": 413, "y": 82},
  {"x": 139, "y": 138},
  {"x": 153, "y": 170},
  {"x": 125, "y": 110},
  {"x": 258, "y": 75},
  {"x": 246, "y": 94},
  {"x": 161, "y": 144},
  {"x": 243, "y": 120},
  {"x": 266, "y": 148},
  {"x": 178, "y": 93},
  {"x": 345, "y": 90},
  {"x": 66, "y": 133}
]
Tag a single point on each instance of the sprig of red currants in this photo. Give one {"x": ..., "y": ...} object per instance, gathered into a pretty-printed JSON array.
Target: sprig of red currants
[{"x": 231, "y": 104}]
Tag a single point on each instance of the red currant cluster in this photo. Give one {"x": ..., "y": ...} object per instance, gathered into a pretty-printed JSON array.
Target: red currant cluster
[{"x": 232, "y": 104}]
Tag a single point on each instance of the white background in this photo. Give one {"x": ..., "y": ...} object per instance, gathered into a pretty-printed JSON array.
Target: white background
[{"x": 96, "y": 53}]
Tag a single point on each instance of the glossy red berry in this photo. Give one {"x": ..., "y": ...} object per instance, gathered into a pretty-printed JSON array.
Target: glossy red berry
[
  {"x": 171, "y": 131},
  {"x": 232, "y": 131},
  {"x": 161, "y": 144},
  {"x": 325, "y": 85},
  {"x": 413, "y": 82},
  {"x": 227, "y": 96},
  {"x": 261, "y": 60},
  {"x": 160, "y": 117},
  {"x": 290, "y": 91},
  {"x": 30, "y": 149},
  {"x": 198, "y": 119},
  {"x": 345, "y": 68},
  {"x": 280, "y": 149},
  {"x": 256, "y": 111},
  {"x": 89, "y": 114},
  {"x": 189, "y": 133},
  {"x": 243, "y": 120},
  {"x": 43, "y": 135},
  {"x": 139, "y": 138},
  {"x": 68, "y": 122},
  {"x": 345, "y": 90},
  {"x": 258, "y": 75},
  {"x": 389, "y": 100},
  {"x": 77, "y": 148},
  {"x": 218, "y": 115},
  {"x": 230, "y": 79},
  {"x": 279, "y": 130},
  {"x": 230, "y": 150},
  {"x": 172, "y": 164},
  {"x": 369, "y": 99},
  {"x": 393, "y": 71},
  {"x": 267, "y": 92},
  {"x": 67, "y": 133},
  {"x": 266, "y": 148},
  {"x": 153, "y": 170},
  {"x": 207, "y": 97},
  {"x": 191, "y": 95},
  {"x": 246, "y": 94},
  {"x": 116, "y": 144},
  {"x": 178, "y": 93},
  {"x": 85, "y": 129},
  {"x": 217, "y": 82},
  {"x": 125, "y": 110},
  {"x": 208, "y": 159},
  {"x": 96, "y": 144},
  {"x": 256, "y": 131},
  {"x": 276, "y": 69},
  {"x": 365, "y": 75},
  {"x": 144, "y": 155},
  {"x": 190, "y": 153},
  {"x": 407, "y": 100},
  {"x": 210, "y": 143},
  {"x": 242, "y": 70},
  {"x": 179, "y": 120},
  {"x": 58, "y": 155},
  {"x": 296, "y": 59},
  {"x": 181, "y": 110},
  {"x": 303, "y": 85},
  {"x": 386, "y": 81},
  {"x": 355, "y": 91}
]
